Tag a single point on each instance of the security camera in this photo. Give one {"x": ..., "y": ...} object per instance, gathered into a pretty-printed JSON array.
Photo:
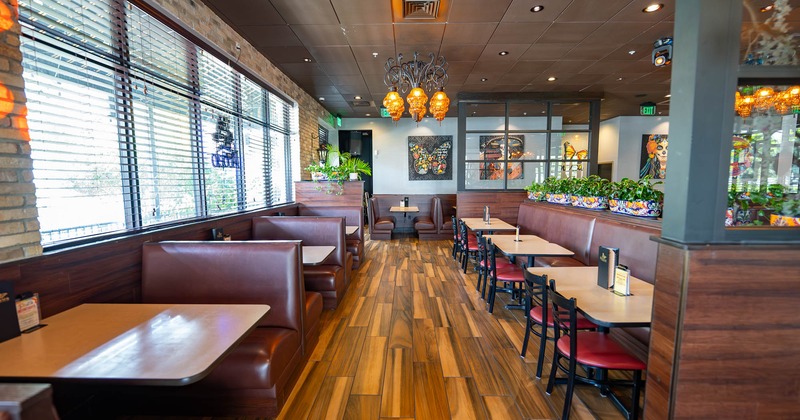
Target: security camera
[{"x": 662, "y": 52}]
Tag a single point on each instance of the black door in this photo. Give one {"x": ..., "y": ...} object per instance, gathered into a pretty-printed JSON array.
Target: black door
[{"x": 359, "y": 144}]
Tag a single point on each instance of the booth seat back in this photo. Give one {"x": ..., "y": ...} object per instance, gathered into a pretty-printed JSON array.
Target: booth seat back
[
  {"x": 308, "y": 229},
  {"x": 572, "y": 231},
  {"x": 353, "y": 215},
  {"x": 228, "y": 272},
  {"x": 636, "y": 249}
]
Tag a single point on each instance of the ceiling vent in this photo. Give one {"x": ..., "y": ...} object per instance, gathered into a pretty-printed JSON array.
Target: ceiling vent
[
  {"x": 420, "y": 9},
  {"x": 360, "y": 103}
]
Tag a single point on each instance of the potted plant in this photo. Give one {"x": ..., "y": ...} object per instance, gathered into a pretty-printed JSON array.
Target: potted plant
[
  {"x": 337, "y": 174},
  {"x": 353, "y": 166},
  {"x": 558, "y": 191},
  {"x": 636, "y": 198},
  {"x": 753, "y": 207},
  {"x": 788, "y": 211},
  {"x": 536, "y": 191},
  {"x": 591, "y": 193}
]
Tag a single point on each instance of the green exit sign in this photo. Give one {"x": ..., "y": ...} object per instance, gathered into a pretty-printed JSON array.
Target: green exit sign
[
  {"x": 385, "y": 113},
  {"x": 647, "y": 108}
]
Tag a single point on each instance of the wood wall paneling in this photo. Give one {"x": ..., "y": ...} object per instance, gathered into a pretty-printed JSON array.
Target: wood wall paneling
[
  {"x": 315, "y": 194},
  {"x": 502, "y": 204}
]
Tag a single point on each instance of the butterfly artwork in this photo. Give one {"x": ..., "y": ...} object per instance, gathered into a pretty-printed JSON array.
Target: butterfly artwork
[
  {"x": 571, "y": 154},
  {"x": 429, "y": 157}
]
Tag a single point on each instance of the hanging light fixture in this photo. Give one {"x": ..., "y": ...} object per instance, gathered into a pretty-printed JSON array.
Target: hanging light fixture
[
  {"x": 765, "y": 98},
  {"x": 416, "y": 77}
]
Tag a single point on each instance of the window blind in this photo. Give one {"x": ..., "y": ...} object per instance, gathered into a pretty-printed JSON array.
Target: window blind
[{"x": 132, "y": 125}]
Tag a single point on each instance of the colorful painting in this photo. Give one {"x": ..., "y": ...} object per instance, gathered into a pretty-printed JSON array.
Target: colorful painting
[
  {"x": 493, "y": 153},
  {"x": 429, "y": 158},
  {"x": 654, "y": 156}
]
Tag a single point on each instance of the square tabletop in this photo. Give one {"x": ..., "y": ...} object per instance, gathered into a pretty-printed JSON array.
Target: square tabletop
[
  {"x": 129, "y": 343},
  {"x": 316, "y": 254},
  {"x": 495, "y": 225},
  {"x": 528, "y": 245},
  {"x": 349, "y": 230},
  {"x": 402, "y": 209},
  {"x": 602, "y": 306}
]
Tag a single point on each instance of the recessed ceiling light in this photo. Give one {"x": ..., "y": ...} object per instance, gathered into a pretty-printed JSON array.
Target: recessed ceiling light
[
  {"x": 619, "y": 79},
  {"x": 537, "y": 8},
  {"x": 653, "y": 8},
  {"x": 321, "y": 98},
  {"x": 543, "y": 112},
  {"x": 483, "y": 79},
  {"x": 369, "y": 115},
  {"x": 374, "y": 55},
  {"x": 668, "y": 96},
  {"x": 632, "y": 52},
  {"x": 524, "y": 113},
  {"x": 358, "y": 98},
  {"x": 552, "y": 79},
  {"x": 767, "y": 8},
  {"x": 503, "y": 53},
  {"x": 306, "y": 59}
]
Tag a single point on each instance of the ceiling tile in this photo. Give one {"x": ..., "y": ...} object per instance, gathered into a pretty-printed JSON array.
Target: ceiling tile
[
  {"x": 633, "y": 12},
  {"x": 612, "y": 67},
  {"x": 520, "y": 11},
  {"x": 302, "y": 69},
  {"x": 491, "y": 67},
  {"x": 285, "y": 55},
  {"x": 568, "y": 32},
  {"x": 518, "y": 33},
  {"x": 306, "y": 12},
  {"x": 462, "y": 52},
  {"x": 342, "y": 68},
  {"x": 419, "y": 33},
  {"x": 589, "y": 50},
  {"x": 591, "y": 11},
  {"x": 364, "y": 53},
  {"x": 332, "y": 54},
  {"x": 376, "y": 66},
  {"x": 620, "y": 32},
  {"x": 547, "y": 51},
  {"x": 568, "y": 67},
  {"x": 492, "y": 52},
  {"x": 320, "y": 35},
  {"x": 363, "y": 11},
  {"x": 354, "y": 79},
  {"x": 246, "y": 12},
  {"x": 270, "y": 36},
  {"x": 477, "y": 10},
  {"x": 468, "y": 33},
  {"x": 379, "y": 34}
]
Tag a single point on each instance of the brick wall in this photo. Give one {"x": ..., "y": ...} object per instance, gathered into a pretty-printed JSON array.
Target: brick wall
[
  {"x": 19, "y": 227},
  {"x": 198, "y": 16}
]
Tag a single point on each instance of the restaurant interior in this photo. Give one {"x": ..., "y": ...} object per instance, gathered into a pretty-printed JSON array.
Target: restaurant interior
[{"x": 429, "y": 209}]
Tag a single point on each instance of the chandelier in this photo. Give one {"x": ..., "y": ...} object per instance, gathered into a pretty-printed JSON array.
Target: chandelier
[
  {"x": 765, "y": 98},
  {"x": 415, "y": 77}
]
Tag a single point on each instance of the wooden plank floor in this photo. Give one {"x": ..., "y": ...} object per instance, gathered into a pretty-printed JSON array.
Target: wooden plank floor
[{"x": 412, "y": 339}]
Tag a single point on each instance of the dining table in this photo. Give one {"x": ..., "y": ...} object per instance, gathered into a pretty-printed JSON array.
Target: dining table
[
  {"x": 477, "y": 224},
  {"x": 129, "y": 343},
  {"x": 316, "y": 254},
  {"x": 349, "y": 230},
  {"x": 530, "y": 246},
  {"x": 598, "y": 304}
]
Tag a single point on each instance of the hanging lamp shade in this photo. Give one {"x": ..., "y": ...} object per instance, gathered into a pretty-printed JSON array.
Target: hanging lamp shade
[{"x": 439, "y": 105}]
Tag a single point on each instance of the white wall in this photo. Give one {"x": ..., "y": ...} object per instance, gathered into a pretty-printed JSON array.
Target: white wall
[
  {"x": 625, "y": 135},
  {"x": 390, "y": 153}
]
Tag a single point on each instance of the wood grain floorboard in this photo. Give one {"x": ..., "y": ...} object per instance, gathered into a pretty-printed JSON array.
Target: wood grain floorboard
[{"x": 412, "y": 339}]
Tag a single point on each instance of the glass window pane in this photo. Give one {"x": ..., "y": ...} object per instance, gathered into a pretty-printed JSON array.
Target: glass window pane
[
  {"x": 524, "y": 174},
  {"x": 222, "y": 161},
  {"x": 479, "y": 176},
  {"x": 569, "y": 169},
  {"x": 569, "y": 146}
]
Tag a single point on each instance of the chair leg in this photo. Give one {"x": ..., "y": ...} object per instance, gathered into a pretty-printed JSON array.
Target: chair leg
[
  {"x": 570, "y": 388},
  {"x": 637, "y": 383},
  {"x": 527, "y": 337},
  {"x": 454, "y": 250},
  {"x": 492, "y": 294},
  {"x": 542, "y": 346},
  {"x": 551, "y": 381}
]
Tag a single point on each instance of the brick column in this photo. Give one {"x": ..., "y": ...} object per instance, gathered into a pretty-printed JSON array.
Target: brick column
[{"x": 19, "y": 227}]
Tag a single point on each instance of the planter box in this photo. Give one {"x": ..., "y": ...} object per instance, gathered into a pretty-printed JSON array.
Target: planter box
[
  {"x": 562, "y": 199},
  {"x": 591, "y": 203},
  {"x": 536, "y": 196},
  {"x": 778, "y": 220},
  {"x": 635, "y": 208}
]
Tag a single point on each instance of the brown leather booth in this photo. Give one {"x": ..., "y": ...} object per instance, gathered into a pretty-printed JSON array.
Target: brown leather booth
[
  {"x": 380, "y": 225},
  {"x": 330, "y": 278},
  {"x": 257, "y": 376},
  {"x": 427, "y": 225},
  {"x": 353, "y": 215}
]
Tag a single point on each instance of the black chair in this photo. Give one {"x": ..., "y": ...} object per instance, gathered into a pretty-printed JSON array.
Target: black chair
[
  {"x": 483, "y": 267},
  {"x": 540, "y": 316},
  {"x": 511, "y": 275},
  {"x": 469, "y": 245},
  {"x": 593, "y": 351},
  {"x": 456, "y": 240}
]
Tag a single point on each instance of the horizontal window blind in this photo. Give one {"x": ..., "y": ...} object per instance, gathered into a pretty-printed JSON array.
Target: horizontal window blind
[{"x": 132, "y": 125}]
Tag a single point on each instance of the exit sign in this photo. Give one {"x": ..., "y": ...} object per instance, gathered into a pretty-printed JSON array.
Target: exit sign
[
  {"x": 647, "y": 108},
  {"x": 385, "y": 113}
]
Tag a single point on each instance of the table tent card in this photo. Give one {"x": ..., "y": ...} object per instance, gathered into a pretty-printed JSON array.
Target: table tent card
[
  {"x": 622, "y": 284},
  {"x": 606, "y": 261}
]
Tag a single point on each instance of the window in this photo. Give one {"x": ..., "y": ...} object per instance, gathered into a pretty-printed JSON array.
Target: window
[{"x": 133, "y": 125}]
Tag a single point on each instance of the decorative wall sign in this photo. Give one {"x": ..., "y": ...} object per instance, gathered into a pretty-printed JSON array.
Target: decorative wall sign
[
  {"x": 429, "y": 158},
  {"x": 654, "y": 156},
  {"x": 493, "y": 152},
  {"x": 226, "y": 155}
]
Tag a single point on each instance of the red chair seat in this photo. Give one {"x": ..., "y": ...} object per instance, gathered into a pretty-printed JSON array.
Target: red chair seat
[
  {"x": 472, "y": 243},
  {"x": 511, "y": 274},
  {"x": 501, "y": 264},
  {"x": 536, "y": 316},
  {"x": 599, "y": 350}
]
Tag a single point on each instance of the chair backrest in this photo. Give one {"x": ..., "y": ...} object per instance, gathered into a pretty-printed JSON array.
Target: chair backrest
[
  {"x": 491, "y": 256},
  {"x": 464, "y": 235},
  {"x": 536, "y": 293},
  {"x": 565, "y": 316},
  {"x": 455, "y": 227},
  {"x": 228, "y": 272},
  {"x": 311, "y": 230}
]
